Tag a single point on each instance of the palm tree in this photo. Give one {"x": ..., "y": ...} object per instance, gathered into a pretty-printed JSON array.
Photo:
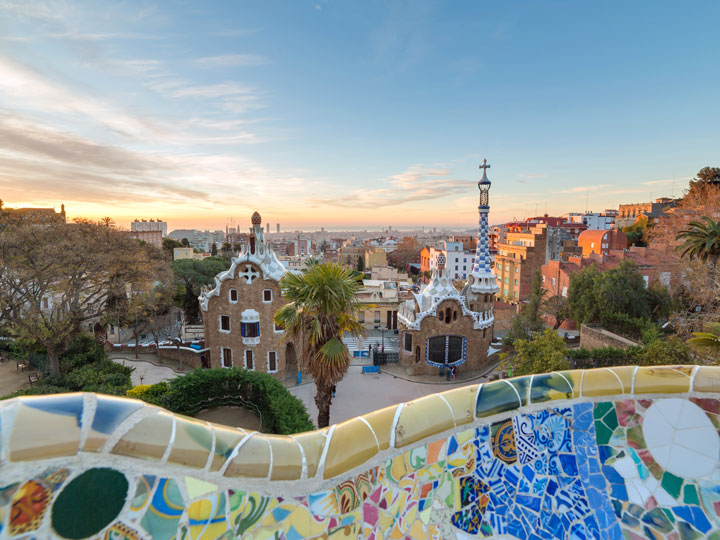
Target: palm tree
[
  {"x": 702, "y": 241},
  {"x": 322, "y": 306},
  {"x": 709, "y": 341}
]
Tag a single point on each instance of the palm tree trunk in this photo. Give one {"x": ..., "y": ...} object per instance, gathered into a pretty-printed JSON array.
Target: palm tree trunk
[{"x": 323, "y": 399}]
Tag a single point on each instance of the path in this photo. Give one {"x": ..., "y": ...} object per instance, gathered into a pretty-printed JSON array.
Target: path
[
  {"x": 11, "y": 378},
  {"x": 145, "y": 372}
]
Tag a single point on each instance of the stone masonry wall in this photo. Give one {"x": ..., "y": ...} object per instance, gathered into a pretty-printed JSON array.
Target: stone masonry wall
[{"x": 593, "y": 337}]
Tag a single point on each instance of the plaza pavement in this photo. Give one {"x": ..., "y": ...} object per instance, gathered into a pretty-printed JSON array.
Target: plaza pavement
[{"x": 360, "y": 393}]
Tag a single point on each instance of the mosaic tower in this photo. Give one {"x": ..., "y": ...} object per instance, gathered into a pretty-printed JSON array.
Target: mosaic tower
[{"x": 482, "y": 253}]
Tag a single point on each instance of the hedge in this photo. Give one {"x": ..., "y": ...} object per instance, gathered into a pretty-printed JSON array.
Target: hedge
[{"x": 280, "y": 412}]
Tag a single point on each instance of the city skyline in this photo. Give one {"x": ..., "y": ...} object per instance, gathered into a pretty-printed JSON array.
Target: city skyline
[{"x": 354, "y": 116}]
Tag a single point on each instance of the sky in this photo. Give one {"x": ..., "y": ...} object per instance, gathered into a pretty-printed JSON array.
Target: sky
[{"x": 353, "y": 113}]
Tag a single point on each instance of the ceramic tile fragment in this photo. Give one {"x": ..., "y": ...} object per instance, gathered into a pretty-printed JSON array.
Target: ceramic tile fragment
[
  {"x": 382, "y": 422},
  {"x": 286, "y": 458},
  {"x": 147, "y": 439},
  {"x": 462, "y": 403},
  {"x": 226, "y": 439},
  {"x": 421, "y": 418},
  {"x": 662, "y": 379},
  {"x": 312, "y": 444},
  {"x": 46, "y": 427},
  {"x": 252, "y": 459},
  {"x": 192, "y": 442},
  {"x": 351, "y": 445},
  {"x": 601, "y": 382},
  {"x": 110, "y": 412}
]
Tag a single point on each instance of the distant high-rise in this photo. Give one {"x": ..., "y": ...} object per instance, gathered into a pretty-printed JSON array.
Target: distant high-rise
[
  {"x": 278, "y": 227},
  {"x": 267, "y": 228},
  {"x": 151, "y": 225}
]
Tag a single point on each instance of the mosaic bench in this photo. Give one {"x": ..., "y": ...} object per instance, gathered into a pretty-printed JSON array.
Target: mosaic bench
[{"x": 608, "y": 453}]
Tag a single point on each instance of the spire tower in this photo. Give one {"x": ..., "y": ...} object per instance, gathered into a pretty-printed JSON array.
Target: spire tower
[{"x": 482, "y": 253}]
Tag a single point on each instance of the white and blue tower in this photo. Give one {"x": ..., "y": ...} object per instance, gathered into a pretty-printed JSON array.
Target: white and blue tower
[{"x": 481, "y": 279}]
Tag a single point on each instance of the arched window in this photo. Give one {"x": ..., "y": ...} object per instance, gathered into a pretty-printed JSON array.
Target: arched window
[
  {"x": 455, "y": 315},
  {"x": 417, "y": 354},
  {"x": 443, "y": 351},
  {"x": 448, "y": 314}
]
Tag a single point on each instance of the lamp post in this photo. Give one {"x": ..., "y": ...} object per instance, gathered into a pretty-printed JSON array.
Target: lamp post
[{"x": 382, "y": 333}]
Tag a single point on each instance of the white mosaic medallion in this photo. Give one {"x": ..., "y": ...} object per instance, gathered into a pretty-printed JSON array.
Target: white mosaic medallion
[{"x": 681, "y": 438}]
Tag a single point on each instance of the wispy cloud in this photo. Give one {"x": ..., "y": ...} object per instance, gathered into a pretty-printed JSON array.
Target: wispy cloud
[
  {"x": 231, "y": 60},
  {"x": 667, "y": 181},
  {"x": 532, "y": 176},
  {"x": 583, "y": 189},
  {"x": 418, "y": 183}
]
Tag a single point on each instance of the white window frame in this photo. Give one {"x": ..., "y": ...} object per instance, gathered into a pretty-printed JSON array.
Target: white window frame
[
  {"x": 220, "y": 328},
  {"x": 237, "y": 295},
  {"x": 277, "y": 330},
  {"x": 268, "y": 362},
  {"x": 271, "y": 296},
  {"x": 252, "y": 353}
]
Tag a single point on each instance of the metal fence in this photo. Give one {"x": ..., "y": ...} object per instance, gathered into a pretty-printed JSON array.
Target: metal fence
[{"x": 382, "y": 358}]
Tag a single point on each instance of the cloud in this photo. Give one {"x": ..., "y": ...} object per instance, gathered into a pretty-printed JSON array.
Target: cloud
[
  {"x": 209, "y": 91},
  {"x": 231, "y": 60},
  {"x": 583, "y": 189},
  {"x": 531, "y": 176},
  {"x": 417, "y": 183},
  {"x": 667, "y": 181}
]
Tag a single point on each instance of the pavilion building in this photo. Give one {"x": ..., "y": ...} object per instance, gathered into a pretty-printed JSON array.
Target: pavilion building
[{"x": 441, "y": 326}]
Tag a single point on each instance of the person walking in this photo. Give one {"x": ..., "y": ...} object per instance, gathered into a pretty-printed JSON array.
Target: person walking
[
  {"x": 452, "y": 373},
  {"x": 334, "y": 390}
]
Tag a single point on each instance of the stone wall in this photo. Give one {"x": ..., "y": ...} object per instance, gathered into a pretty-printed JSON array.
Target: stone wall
[
  {"x": 613, "y": 453},
  {"x": 593, "y": 337}
]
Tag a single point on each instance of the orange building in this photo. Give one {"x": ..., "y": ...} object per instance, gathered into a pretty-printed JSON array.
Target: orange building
[{"x": 601, "y": 242}]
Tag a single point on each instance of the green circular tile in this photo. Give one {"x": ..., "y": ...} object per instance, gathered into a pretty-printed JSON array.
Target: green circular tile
[{"x": 89, "y": 503}]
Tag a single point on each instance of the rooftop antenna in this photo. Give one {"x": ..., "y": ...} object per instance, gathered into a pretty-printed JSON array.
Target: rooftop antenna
[{"x": 587, "y": 197}]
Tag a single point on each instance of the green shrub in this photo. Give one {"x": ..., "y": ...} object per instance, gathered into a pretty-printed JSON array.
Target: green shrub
[
  {"x": 280, "y": 411},
  {"x": 544, "y": 353},
  {"x": 666, "y": 352}
]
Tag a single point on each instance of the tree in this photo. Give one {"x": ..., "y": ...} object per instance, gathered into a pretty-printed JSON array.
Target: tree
[
  {"x": 708, "y": 341},
  {"x": 701, "y": 241},
  {"x": 707, "y": 176},
  {"x": 663, "y": 352},
  {"x": 226, "y": 250},
  {"x": 185, "y": 242},
  {"x": 557, "y": 307},
  {"x": 526, "y": 323},
  {"x": 168, "y": 245},
  {"x": 637, "y": 232},
  {"x": 322, "y": 306},
  {"x": 190, "y": 276},
  {"x": 56, "y": 278},
  {"x": 213, "y": 250},
  {"x": 543, "y": 353},
  {"x": 360, "y": 266}
]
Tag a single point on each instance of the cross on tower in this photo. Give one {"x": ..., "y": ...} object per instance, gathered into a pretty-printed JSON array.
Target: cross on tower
[
  {"x": 484, "y": 166},
  {"x": 249, "y": 274}
]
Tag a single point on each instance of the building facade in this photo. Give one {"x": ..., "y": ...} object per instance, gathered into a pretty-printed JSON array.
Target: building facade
[
  {"x": 442, "y": 327},
  {"x": 602, "y": 241},
  {"x": 521, "y": 255},
  {"x": 238, "y": 312},
  {"x": 154, "y": 225}
]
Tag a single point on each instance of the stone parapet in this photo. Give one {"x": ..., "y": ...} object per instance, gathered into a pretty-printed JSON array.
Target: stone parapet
[{"x": 469, "y": 461}]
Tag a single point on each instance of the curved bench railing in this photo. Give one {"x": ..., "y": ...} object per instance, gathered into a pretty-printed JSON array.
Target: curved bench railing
[{"x": 583, "y": 454}]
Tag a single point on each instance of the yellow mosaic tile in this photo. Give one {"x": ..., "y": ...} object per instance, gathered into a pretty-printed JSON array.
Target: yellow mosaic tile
[
  {"x": 601, "y": 382},
  {"x": 352, "y": 444},
  {"x": 286, "y": 458},
  {"x": 312, "y": 444},
  {"x": 148, "y": 438},
  {"x": 707, "y": 379},
  {"x": 575, "y": 378},
  {"x": 626, "y": 374},
  {"x": 381, "y": 422},
  {"x": 192, "y": 444},
  {"x": 226, "y": 439},
  {"x": 462, "y": 402},
  {"x": 46, "y": 427},
  {"x": 662, "y": 379},
  {"x": 421, "y": 418},
  {"x": 252, "y": 460}
]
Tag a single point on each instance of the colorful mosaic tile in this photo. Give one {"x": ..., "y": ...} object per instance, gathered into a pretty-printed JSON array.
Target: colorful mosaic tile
[{"x": 622, "y": 466}]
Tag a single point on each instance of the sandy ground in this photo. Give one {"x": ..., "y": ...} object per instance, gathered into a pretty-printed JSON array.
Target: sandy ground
[
  {"x": 231, "y": 416},
  {"x": 360, "y": 393},
  {"x": 11, "y": 378},
  {"x": 146, "y": 372}
]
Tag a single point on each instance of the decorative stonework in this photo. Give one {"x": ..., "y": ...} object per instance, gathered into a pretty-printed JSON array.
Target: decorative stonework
[{"x": 580, "y": 454}]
